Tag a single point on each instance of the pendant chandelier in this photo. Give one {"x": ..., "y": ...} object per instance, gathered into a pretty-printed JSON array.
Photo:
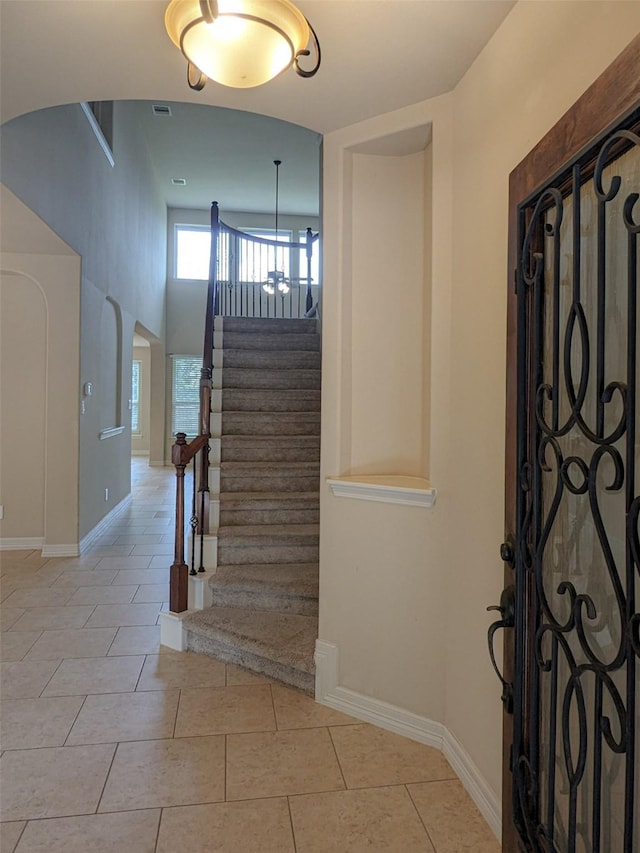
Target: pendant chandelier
[
  {"x": 276, "y": 279},
  {"x": 240, "y": 43}
]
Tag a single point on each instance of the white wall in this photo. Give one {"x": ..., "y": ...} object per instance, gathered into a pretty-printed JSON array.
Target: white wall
[
  {"x": 111, "y": 218},
  {"x": 404, "y": 591}
]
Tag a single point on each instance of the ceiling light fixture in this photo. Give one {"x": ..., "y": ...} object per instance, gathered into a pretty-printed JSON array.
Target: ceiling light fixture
[
  {"x": 240, "y": 43},
  {"x": 276, "y": 278}
]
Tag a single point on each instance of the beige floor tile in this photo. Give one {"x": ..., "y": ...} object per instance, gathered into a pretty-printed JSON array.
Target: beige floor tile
[
  {"x": 15, "y": 644},
  {"x": 160, "y": 562},
  {"x": 153, "y": 773},
  {"x": 123, "y": 563},
  {"x": 452, "y": 819},
  {"x": 95, "y": 675},
  {"x": 137, "y": 539},
  {"x": 151, "y": 592},
  {"x": 91, "y": 577},
  {"x": 370, "y": 756},
  {"x": 223, "y": 710},
  {"x": 154, "y": 549},
  {"x": 138, "y": 640},
  {"x": 103, "y": 595},
  {"x": 142, "y": 576},
  {"x": 185, "y": 669},
  {"x": 113, "y": 717},
  {"x": 39, "y": 597},
  {"x": 237, "y": 675},
  {"x": 53, "y": 782},
  {"x": 296, "y": 710},
  {"x": 9, "y": 835},
  {"x": 34, "y": 723},
  {"x": 9, "y": 615},
  {"x": 123, "y": 615},
  {"x": 257, "y": 826},
  {"x": 77, "y": 563},
  {"x": 72, "y": 643},
  {"x": 44, "y": 618},
  {"x": 25, "y": 679},
  {"x": 134, "y": 832},
  {"x": 274, "y": 764},
  {"x": 380, "y": 819},
  {"x": 110, "y": 551}
]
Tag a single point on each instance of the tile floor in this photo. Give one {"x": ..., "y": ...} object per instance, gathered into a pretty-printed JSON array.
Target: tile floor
[{"x": 111, "y": 743}]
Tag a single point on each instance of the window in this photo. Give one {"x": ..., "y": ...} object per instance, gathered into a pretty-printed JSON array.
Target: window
[
  {"x": 185, "y": 395},
  {"x": 135, "y": 397},
  {"x": 192, "y": 251}
]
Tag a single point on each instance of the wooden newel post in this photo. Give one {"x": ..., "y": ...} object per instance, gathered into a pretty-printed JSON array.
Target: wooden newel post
[{"x": 178, "y": 576}]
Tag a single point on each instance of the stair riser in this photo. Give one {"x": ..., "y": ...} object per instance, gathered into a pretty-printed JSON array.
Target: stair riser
[
  {"x": 271, "y": 360},
  {"x": 300, "y": 606},
  {"x": 233, "y": 377},
  {"x": 269, "y": 516},
  {"x": 289, "y": 342},
  {"x": 238, "y": 656},
  {"x": 269, "y": 484},
  {"x": 241, "y": 400},
  {"x": 232, "y": 555},
  {"x": 290, "y": 424}
]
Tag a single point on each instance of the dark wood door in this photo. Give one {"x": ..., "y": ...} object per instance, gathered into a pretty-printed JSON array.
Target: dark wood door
[{"x": 572, "y": 547}]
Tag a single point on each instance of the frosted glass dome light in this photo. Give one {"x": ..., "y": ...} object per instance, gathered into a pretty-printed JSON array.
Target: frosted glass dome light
[{"x": 240, "y": 43}]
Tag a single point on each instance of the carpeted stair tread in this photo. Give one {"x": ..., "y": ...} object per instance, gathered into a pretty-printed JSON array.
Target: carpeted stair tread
[
  {"x": 270, "y": 400},
  {"x": 270, "y": 423},
  {"x": 268, "y": 500},
  {"x": 289, "y": 448},
  {"x": 280, "y": 645},
  {"x": 262, "y": 341},
  {"x": 288, "y": 587},
  {"x": 267, "y": 534},
  {"x": 264, "y": 467},
  {"x": 270, "y": 325},
  {"x": 271, "y": 359},
  {"x": 273, "y": 378}
]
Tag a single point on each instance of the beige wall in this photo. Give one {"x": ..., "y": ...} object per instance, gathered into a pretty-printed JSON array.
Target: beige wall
[
  {"x": 40, "y": 340},
  {"x": 404, "y": 591},
  {"x": 140, "y": 442}
]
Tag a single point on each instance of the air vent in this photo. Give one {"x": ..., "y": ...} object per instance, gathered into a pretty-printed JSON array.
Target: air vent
[
  {"x": 179, "y": 182},
  {"x": 161, "y": 109}
]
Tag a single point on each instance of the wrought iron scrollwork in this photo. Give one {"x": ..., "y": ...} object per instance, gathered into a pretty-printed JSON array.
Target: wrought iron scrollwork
[{"x": 577, "y": 555}]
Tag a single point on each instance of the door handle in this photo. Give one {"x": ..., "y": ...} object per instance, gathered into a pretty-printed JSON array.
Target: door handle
[{"x": 506, "y": 608}]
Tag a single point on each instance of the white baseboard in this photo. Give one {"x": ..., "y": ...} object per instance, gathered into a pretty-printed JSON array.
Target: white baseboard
[
  {"x": 21, "y": 543},
  {"x": 101, "y": 526},
  {"x": 158, "y": 463},
  {"x": 71, "y": 550},
  {"x": 408, "y": 724}
]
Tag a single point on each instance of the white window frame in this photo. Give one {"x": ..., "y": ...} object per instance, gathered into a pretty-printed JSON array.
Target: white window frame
[{"x": 186, "y": 418}]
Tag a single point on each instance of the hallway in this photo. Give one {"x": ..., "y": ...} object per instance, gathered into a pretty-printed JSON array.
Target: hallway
[{"x": 111, "y": 743}]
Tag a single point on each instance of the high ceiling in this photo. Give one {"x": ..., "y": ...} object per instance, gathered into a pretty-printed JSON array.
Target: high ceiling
[{"x": 377, "y": 56}]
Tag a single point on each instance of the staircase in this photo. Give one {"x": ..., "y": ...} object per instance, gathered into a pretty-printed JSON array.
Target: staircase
[{"x": 265, "y": 588}]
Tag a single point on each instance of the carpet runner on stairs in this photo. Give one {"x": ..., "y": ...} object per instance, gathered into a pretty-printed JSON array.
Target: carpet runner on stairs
[{"x": 265, "y": 589}]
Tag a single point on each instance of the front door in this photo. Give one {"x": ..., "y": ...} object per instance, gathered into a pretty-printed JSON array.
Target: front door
[{"x": 572, "y": 549}]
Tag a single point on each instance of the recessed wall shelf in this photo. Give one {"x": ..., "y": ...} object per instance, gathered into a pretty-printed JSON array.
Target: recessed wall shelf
[{"x": 385, "y": 488}]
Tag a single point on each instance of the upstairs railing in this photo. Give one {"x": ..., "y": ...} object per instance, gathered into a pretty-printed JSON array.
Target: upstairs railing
[{"x": 249, "y": 276}]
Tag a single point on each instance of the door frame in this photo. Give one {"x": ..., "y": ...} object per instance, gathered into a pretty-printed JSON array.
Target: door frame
[{"x": 612, "y": 95}]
